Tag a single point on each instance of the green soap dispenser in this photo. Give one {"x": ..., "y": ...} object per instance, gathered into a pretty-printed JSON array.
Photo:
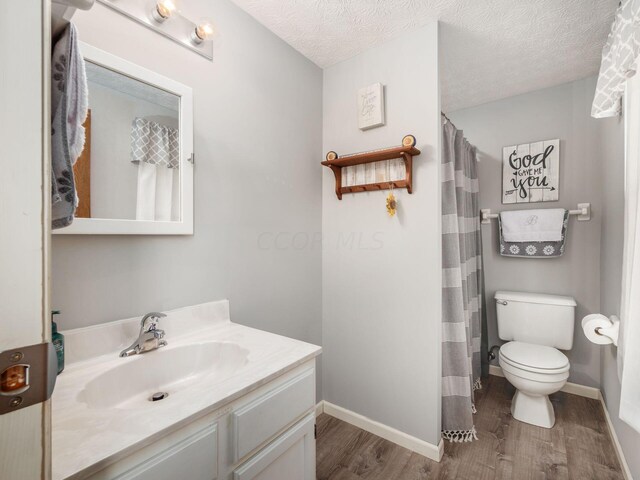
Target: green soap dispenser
[{"x": 58, "y": 341}]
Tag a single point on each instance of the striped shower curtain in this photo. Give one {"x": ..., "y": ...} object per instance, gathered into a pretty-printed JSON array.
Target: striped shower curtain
[{"x": 462, "y": 284}]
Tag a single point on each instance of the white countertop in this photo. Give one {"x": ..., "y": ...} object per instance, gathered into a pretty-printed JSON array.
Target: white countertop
[{"x": 85, "y": 438}]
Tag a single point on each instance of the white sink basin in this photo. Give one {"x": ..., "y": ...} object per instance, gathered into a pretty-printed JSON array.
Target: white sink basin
[{"x": 170, "y": 370}]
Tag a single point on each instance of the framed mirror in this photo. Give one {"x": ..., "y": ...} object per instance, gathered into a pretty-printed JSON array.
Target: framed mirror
[{"x": 135, "y": 175}]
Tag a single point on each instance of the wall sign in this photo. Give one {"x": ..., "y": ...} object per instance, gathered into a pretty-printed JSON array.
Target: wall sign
[
  {"x": 371, "y": 106},
  {"x": 531, "y": 172}
]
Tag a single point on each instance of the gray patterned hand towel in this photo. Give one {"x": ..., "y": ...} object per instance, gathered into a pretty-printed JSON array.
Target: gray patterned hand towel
[
  {"x": 533, "y": 233},
  {"x": 69, "y": 101}
]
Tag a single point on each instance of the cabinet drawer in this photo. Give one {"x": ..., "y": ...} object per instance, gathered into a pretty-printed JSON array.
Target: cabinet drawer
[
  {"x": 197, "y": 454},
  {"x": 265, "y": 417},
  {"x": 292, "y": 456}
]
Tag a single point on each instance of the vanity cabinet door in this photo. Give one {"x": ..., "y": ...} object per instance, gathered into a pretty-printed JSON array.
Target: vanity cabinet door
[
  {"x": 193, "y": 458},
  {"x": 291, "y": 456},
  {"x": 261, "y": 420}
]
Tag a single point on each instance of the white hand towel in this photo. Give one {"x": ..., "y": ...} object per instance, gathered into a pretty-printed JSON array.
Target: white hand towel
[{"x": 532, "y": 225}]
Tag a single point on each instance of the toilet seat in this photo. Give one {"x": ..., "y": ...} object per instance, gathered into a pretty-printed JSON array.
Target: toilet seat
[{"x": 532, "y": 358}]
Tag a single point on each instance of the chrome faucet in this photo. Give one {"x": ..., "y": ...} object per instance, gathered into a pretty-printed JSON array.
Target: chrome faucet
[{"x": 150, "y": 337}]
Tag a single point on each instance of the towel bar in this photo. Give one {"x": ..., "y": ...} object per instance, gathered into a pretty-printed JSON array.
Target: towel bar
[{"x": 583, "y": 213}]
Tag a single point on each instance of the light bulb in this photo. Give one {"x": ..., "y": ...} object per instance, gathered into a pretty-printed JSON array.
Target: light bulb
[
  {"x": 203, "y": 31},
  {"x": 163, "y": 10}
]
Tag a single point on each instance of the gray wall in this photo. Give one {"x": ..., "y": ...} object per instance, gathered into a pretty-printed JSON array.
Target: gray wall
[
  {"x": 257, "y": 137},
  {"x": 558, "y": 112},
  {"x": 381, "y": 275},
  {"x": 612, "y": 176}
]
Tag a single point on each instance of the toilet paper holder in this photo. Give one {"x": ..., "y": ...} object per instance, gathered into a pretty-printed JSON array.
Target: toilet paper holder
[{"x": 605, "y": 329}]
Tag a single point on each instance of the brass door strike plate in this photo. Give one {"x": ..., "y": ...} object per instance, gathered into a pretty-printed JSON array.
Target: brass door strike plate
[{"x": 27, "y": 376}]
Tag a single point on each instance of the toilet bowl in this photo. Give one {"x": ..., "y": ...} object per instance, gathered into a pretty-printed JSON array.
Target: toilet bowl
[{"x": 536, "y": 371}]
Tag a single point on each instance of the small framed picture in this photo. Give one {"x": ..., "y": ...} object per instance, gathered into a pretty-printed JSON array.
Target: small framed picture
[{"x": 371, "y": 106}]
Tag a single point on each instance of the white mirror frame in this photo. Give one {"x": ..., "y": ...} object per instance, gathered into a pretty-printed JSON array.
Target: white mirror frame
[{"x": 108, "y": 226}]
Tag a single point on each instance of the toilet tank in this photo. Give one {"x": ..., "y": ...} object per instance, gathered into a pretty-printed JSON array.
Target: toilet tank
[{"x": 536, "y": 318}]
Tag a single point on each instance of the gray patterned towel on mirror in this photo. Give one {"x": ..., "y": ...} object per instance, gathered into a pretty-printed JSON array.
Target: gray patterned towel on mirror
[{"x": 69, "y": 107}]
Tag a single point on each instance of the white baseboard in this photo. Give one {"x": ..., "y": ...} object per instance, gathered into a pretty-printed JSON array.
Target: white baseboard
[
  {"x": 616, "y": 443},
  {"x": 582, "y": 390},
  {"x": 433, "y": 452},
  {"x": 320, "y": 407},
  {"x": 589, "y": 392},
  {"x": 574, "y": 388}
]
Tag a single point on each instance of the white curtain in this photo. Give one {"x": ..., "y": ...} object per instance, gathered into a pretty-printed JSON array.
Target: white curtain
[
  {"x": 155, "y": 193},
  {"x": 155, "y": 147},
  {"x": 629, "y": 341}
]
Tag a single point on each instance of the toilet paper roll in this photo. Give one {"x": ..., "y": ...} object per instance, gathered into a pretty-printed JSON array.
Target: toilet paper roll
[{"x": 589, "y": 325}]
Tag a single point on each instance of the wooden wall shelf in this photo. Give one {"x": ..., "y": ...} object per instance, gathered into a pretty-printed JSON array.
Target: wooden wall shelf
[{"x": 405, "y": 152}]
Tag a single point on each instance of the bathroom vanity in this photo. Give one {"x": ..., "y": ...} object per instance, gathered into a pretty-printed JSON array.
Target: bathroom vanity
[{"x": 232, "y": 402}]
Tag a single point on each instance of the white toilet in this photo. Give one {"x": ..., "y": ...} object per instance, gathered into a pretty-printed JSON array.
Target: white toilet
[{"x": 536, "y": 327}]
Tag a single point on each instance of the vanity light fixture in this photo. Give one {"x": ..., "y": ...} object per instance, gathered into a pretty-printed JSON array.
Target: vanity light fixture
[
  {"x": 202, "y": 32},
  {"x": 165, "y": 17},
  {"x": 163, "y": 10}
]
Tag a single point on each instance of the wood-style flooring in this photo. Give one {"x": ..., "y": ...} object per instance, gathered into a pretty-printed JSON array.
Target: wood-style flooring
[{"x": 578, "y": 447}]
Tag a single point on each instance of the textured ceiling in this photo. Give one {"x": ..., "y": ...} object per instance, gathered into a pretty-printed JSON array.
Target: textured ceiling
[{"x": 490, "y": 49}]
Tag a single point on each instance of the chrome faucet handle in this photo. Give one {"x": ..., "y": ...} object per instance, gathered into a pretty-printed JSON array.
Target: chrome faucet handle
[
  {"x": 159, "y": 336},
  {"x": 153, "y": 319},
  {"x": 150, "y": 336}
]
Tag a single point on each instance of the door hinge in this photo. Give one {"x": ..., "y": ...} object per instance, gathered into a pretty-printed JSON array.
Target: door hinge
[
  {"x": 192, "y": 158},
  {"x": 315, "y": 430},
  {"x": 27, "y": 376}
]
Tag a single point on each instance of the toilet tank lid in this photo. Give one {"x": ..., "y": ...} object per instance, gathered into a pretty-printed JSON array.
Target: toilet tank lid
[{"x": 541, "y": 298}]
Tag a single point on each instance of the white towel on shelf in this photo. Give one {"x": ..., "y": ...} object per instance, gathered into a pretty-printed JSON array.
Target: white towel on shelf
[{"x": 532, "y": 225}]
